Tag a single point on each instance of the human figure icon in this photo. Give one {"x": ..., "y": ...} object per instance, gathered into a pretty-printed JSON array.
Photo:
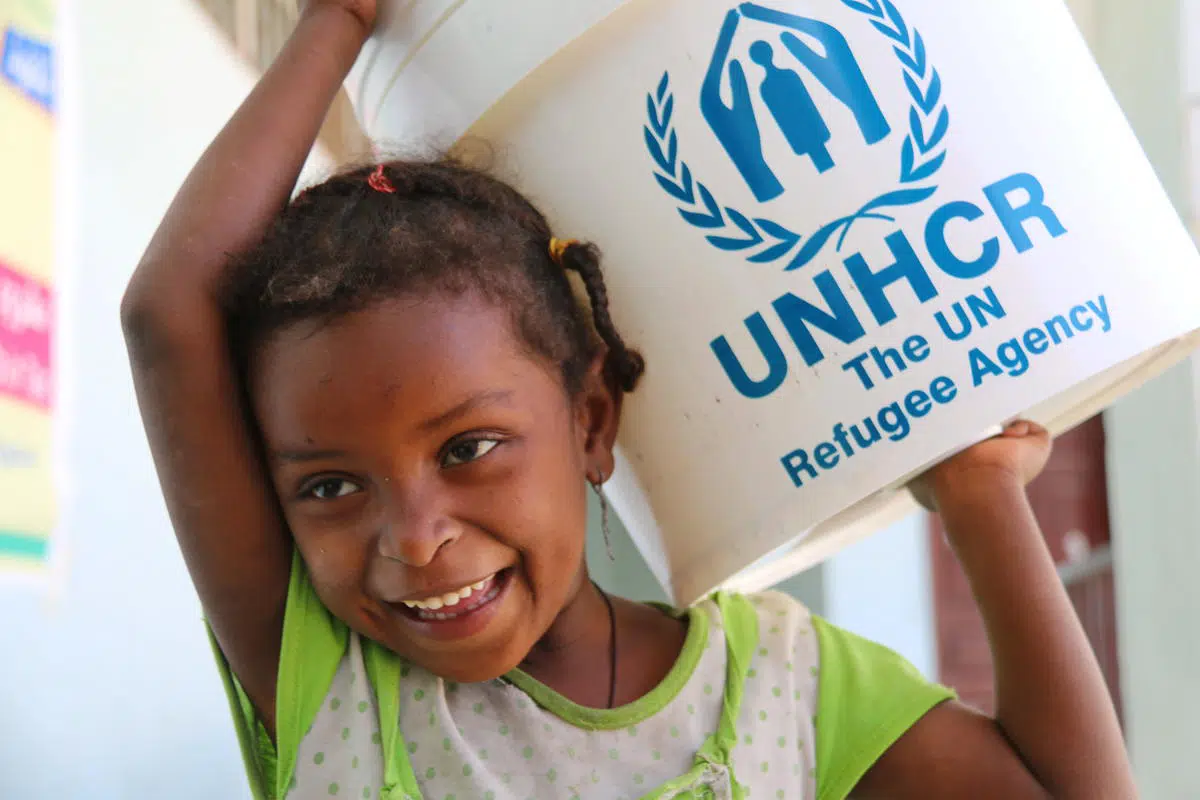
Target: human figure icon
[
  {"x": 785, "y": 94},
  {"x": 793, "y": 107}
]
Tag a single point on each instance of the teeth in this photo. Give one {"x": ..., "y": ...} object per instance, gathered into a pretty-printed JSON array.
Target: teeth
[{"x": 449, "y": 599}]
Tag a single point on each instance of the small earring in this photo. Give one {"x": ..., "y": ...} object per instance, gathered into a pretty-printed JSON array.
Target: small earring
[{"x": 596, "y": 484}]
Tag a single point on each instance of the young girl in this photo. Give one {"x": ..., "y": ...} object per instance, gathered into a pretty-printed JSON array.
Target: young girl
[{"x": 376, "y": 411}]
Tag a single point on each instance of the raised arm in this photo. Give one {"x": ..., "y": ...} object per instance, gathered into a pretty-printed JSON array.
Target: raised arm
[
  {"x": 222, "y": 507},
  {"x": 1055, "y": 733}
]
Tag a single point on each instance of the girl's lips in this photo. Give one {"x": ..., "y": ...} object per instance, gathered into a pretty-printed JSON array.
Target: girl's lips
[{"x": 466, "y": 618}]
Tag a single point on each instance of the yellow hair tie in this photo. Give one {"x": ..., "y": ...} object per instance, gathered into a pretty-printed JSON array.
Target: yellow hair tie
[{"x": 558, "y": 247}]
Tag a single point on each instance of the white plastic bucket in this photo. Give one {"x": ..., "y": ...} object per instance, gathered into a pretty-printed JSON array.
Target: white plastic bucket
[{"x": 803, "y": 366}]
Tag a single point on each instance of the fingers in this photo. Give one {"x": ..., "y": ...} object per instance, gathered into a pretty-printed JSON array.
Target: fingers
[
  {"x": 1021, "y": 428},
  {"x": 1017, "y": 429}
]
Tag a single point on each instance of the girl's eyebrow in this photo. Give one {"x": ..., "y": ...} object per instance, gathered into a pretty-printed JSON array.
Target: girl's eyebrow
[{"x": 486, "y": 398}]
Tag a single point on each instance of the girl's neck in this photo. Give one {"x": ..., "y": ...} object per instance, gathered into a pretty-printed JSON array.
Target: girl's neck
[{"x": 573, "y": 658}]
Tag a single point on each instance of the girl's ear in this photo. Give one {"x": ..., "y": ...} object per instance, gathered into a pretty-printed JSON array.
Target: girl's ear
[{"x": 598, "y": 411}]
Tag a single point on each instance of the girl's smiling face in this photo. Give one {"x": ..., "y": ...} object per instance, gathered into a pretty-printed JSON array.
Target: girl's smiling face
[{"x": 433, "y": 474}]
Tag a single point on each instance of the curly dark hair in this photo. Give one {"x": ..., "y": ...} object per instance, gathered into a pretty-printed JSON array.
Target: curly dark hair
[{"x": 380, "y": 231}]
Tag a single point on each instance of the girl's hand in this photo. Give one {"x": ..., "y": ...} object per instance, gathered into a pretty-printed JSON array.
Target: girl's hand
[
  {"x": 364, "y": 10},
  {"x": 1012, "y": 459}
]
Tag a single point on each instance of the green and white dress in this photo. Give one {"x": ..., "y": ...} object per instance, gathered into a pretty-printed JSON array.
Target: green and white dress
[{"x": 765, "y": 701}]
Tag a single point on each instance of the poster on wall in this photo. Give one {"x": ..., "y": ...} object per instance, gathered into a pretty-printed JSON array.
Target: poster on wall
[{"x": 27, "y": 150}]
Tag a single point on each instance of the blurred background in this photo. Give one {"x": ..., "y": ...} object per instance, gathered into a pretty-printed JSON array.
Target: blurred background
[{"x": 107, "y": 685}]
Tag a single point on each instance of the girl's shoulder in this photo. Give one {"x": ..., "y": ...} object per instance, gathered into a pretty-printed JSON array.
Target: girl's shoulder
[
  {"x": 777, "y": 621},
  {"x": 775, "y": 634},
  {"x": 774, "y": 607},
  {"x": 784, "y": 653},
  {"x": 859, "y": 695},
  {"x": 789, "y": 636}
]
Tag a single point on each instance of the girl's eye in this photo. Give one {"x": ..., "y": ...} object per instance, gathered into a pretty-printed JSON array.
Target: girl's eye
[
  {"x": 331, "y": 489},
  {"x": 468, "y": 450}
]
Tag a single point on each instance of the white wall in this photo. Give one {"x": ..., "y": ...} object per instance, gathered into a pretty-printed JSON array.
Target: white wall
[
  {"x": 1154, "y": 441},
  {"x": 882, "y": 588},
  {"x": 108, "y": 689}
]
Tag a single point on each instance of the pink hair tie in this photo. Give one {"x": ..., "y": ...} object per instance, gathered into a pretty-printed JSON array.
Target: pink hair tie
[{"x": 380, "y": 182}]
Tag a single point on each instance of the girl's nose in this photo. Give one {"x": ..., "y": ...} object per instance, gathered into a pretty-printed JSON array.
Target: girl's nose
[{"x": 418, "y": 530}]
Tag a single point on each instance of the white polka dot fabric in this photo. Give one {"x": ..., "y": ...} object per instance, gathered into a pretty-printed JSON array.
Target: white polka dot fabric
[{"x": 492, "y": 741}]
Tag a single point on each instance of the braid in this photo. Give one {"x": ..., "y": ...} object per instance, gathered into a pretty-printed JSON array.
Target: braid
[{"x": 624, "y": 365}]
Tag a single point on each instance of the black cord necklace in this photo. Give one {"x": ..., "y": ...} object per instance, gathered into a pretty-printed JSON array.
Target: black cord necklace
[{"x": 612, "y": 647}]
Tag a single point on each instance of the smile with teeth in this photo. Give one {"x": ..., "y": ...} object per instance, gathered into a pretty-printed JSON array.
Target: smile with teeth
[{"x": 456, "y": 603}]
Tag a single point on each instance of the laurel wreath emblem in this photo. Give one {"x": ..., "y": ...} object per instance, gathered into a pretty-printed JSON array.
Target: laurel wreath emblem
[{"x": 764, "y": 240}]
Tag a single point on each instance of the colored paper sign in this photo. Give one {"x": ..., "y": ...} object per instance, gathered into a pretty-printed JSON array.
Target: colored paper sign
[{"x": 27, "y": 145}]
